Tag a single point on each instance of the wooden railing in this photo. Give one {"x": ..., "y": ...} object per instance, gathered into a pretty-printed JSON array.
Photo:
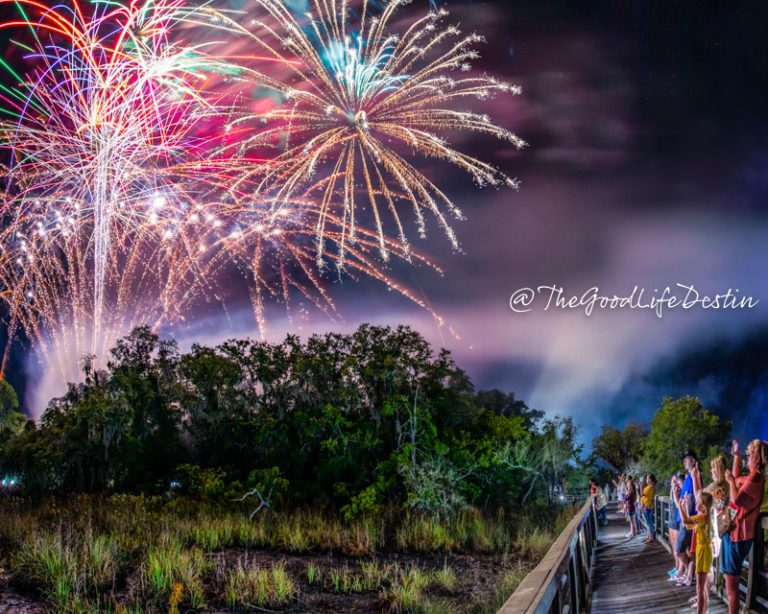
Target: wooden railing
[
  {"x": 753, "y": 587},
  {"x": 562, "y": 581}
]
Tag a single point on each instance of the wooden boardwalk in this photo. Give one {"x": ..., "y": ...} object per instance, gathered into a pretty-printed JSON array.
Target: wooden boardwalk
[{"x": 631, "y": 576}]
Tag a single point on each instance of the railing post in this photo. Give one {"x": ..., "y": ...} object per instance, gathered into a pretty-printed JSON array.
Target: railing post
[
  {"x": 595, "y": 525},
  {"x": 756, "y": 558},
  {"x": 574, "y": 580}
]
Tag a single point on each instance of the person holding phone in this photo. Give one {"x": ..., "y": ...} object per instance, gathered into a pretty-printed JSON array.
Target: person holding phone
[
  {"x": 691, "y": 485},
  {"x": 746, "y": 496}
]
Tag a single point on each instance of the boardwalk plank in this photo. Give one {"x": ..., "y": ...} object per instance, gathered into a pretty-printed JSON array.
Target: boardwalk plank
[{"x": 632, "y": 577}]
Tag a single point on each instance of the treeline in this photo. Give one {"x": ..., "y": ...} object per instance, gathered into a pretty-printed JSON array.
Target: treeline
[
  {"x": 355, "y": 423},
  {"x": 678, "y": 426}
]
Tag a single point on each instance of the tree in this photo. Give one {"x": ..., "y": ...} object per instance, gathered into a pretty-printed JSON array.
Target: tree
[
  {"x": 434, "y": 487},
  {"x": 619, "y": 448},
  {"x": 680, "y": 425},
  {"x": 507, "y": 405},
  {"x": 11, "y": 420},
  {"x": 543, "y": 458},
  {"x": 356, "y": 423}
]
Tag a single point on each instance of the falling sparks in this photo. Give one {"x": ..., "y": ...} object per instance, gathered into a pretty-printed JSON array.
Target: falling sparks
[
  {"x": 369, "y": 99},
  {"x": 139, "y": 181}
]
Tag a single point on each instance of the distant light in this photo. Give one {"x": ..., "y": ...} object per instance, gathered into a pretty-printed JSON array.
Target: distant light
[
  {"x": 158, "y": 202},
  {"x": 9, "y": 482}
]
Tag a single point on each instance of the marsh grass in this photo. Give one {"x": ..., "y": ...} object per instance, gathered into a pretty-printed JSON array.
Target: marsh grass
[
  {"x": 509, "y": 582},
  {"x": 67, "y": 570},
  {"x": 162, "y": 556},
  {"x": 467, "y": 531},
  {"x": 407, "y": 592},
  {"x": 445, "y": 578},
  {"x": 171, "y": 565},
  {"x": 258, "y": 586}
]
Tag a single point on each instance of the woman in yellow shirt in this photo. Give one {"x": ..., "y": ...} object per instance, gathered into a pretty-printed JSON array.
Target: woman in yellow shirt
[{"x": 649, "y": 493}]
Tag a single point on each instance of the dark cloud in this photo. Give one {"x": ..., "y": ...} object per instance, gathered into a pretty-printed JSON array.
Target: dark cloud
[{"x": 729, "y": 374}]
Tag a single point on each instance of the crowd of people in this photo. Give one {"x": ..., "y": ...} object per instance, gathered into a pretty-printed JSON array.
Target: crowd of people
[{"x": 708, "y": 524}]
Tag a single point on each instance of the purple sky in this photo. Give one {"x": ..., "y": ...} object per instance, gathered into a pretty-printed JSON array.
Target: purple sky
[{"x": 648, "y": 133}]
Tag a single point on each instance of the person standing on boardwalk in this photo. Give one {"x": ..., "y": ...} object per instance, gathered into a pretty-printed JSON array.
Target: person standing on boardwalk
[
  {"x": 720, "y": 515},
  {"x": 639, "y": 513},
  {"x": 647, "y": 500},
  {"x": 746, "y": 496},
  {"x": 600, "y": 501},
  {"x": 701, "y": 523},
  {"x": 674, "y": 524},
  {"x": 691, "y": 485},
  {"x": 630, "y": 504},
  {"x": 621, "y": 490}
]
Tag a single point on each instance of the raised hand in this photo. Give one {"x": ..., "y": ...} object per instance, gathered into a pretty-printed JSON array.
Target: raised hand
[{"x": 735, "y": 447}]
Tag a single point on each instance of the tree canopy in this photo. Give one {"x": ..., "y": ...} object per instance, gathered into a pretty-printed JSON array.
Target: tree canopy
[
  {"x": 349, "y": 422},
  {"x": 680, "y": 425},
  {"x": 619, "y": 449}
]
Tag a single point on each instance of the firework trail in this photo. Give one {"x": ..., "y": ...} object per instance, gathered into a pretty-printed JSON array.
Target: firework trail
[
  {"x": 133, "y": 193},
  {"x": 358, "y": 98},
  {"x": 273, "y": 245},
  {"x": 124, "y": 203},
  {"x": 104, "y": 164}
]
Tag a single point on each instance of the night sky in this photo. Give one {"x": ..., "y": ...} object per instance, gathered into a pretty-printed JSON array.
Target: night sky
[{"x": 647, "y": 166}]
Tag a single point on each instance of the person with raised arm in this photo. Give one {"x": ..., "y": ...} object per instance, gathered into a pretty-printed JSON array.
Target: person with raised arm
[
  {"x": 701, "y": 524},
  {"x": 746, "y": 496},
  {"x": 685, "y": 542},
  {"x": 720, "y": 517}
]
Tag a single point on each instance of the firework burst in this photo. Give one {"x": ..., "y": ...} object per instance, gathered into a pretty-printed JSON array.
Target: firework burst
[
  {"x": 105, "y": 165},
  {"x": 133, "y": 194},
  {"x": 359, "y": 97}
]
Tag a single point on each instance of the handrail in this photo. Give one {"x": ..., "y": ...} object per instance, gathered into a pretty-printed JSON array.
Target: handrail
[
  {"x": 562, "y": 581},
  {"x": 753, "y": 588}
]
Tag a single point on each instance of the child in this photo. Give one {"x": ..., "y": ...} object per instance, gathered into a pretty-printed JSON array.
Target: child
[{"x": 701, "y": 522}]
